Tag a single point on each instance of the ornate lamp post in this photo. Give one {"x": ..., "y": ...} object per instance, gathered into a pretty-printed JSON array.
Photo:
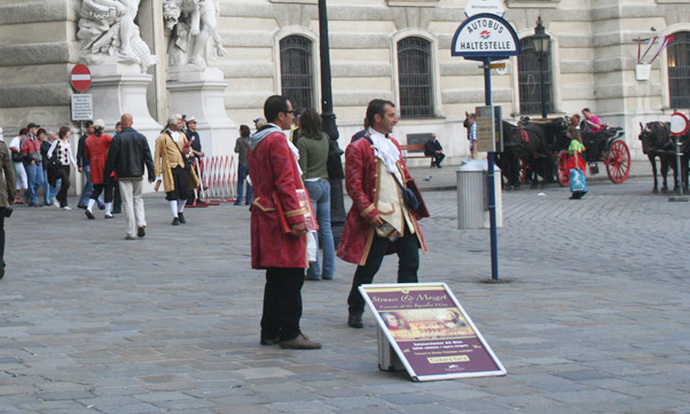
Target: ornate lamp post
[
  {"x": 542, "y": 45},
  {"x": 335, "y": 166}
]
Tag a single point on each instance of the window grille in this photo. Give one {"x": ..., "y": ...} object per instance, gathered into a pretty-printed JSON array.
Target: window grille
[
  {"x": 414, "y": 72},
  {"x": 529, "y": 77},
  {"x": 678, "y": 53},
  {"x": 297, "y": 71}
]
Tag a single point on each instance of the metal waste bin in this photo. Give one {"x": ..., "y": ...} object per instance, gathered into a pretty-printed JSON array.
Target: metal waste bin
[{"x": 473, "y": 195}]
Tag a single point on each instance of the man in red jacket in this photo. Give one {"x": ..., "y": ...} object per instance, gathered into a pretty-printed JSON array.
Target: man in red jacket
[
  {"x": 275, "y": 179},
  {"x": 379, "y": 222}
]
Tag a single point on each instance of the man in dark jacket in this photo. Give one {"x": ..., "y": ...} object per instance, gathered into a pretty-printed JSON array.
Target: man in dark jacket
[
  {"x": 127, "y": 156},
  {"x": 433, "y": 148}
]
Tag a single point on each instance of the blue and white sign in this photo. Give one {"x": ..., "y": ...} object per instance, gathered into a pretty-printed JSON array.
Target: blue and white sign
[{"x": 485, "y": 36}]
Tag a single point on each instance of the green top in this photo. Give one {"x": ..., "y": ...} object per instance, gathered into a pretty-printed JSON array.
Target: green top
[
  {"x": 575, "y": 145},
  {"x": 313, "y": 157}
]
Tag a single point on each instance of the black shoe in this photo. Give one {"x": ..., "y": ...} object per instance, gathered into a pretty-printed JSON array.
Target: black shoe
[
  {"x": 2, "y": 272},
  {"x": 101, "y": 206},
  {"x": 109, "y": 216},
  {"x": 89, "y": 214},
  {"x": 81, "y": 207},
  {"x": 270, "y": 341},
  {"x": 141, "y": 232},
  {"x": 181, "y": 217},
  {"x": 355, "y": 321},
  {"x": 176, "y": 221}
]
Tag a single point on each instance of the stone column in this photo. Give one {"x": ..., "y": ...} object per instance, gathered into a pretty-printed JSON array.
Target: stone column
[
  {"x": 121, "y": 88},
  {"x": 201, "y": 93}
]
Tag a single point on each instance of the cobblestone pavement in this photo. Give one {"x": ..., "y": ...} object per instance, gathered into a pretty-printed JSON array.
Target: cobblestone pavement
[{"x": 593, "y": 319}]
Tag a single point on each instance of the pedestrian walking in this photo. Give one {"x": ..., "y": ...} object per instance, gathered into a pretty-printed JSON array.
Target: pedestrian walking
[
  {"x": 96, "y": 150},
  {"x": 276, "y": 178},
  {"x": 84, "y": 165},
  {"x": 378, "y": 220},
  {"x": 128, "y": 155},
  {"x": 195, "y": 154},
  {"x": 313, "y": 148},
  {"x": 242, "y": 149},
  {"x": 62, "y": 151},
  {"x": 172, "y": 168}
]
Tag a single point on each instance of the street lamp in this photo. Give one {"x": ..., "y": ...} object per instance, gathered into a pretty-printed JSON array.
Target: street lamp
[
  {"x": 335, "y": 166},
  {"x": 542, "y": 45}
]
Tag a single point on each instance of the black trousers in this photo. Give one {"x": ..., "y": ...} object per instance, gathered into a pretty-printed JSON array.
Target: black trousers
[
  {"x": 282, "y": 303},
  {"x": 181, "y": 181},
  {"x": 109, "y": 186},
  {"x": 407, "y": 248},
  {"x": 63, "y": 174},
  {"x": 438, "y": 158}
]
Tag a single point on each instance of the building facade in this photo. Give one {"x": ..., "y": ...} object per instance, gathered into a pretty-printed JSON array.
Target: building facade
[{"x": 391, "y": 49}]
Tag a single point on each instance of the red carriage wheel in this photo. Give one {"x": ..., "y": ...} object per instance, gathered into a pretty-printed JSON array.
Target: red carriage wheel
[
  {"x": 618, "y": 162},
  {"x": 563, "y": 172}
]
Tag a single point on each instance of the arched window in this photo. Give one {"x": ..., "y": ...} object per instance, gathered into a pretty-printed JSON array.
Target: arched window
[
  {"x": 679, "y": 70},
  {"x": 297, "y": 70},
  {"x": 529, "y": 75},
  {"x": 414, "y": 72}
]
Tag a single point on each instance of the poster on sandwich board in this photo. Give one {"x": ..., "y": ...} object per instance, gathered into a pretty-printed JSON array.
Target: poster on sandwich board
[{"x": 430, "y": 332}]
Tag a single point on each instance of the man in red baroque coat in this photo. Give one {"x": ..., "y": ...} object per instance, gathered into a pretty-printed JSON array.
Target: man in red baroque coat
[
  {"x": 275, "y": 177},
  {"x": 378, "y": 223}
]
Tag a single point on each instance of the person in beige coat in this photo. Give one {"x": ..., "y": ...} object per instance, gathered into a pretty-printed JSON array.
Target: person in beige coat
[
  {"x": 7, "y": 196},
  {"x": 170, "y": 159}
]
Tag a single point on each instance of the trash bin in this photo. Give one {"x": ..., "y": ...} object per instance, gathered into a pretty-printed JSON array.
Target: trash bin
[{"x": 473, "y": 195}]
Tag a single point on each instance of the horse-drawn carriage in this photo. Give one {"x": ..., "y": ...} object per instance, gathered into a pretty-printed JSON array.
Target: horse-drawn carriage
[
  {"x": 539, "y": 148},
  {"x": 607, "y": 146}
]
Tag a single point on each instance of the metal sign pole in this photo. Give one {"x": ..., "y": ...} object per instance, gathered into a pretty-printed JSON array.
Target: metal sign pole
[{"x": 490, "y": 176}]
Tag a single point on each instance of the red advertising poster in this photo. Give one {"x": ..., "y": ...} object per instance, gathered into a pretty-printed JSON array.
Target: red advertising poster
[{"x": 430, "y": 332}]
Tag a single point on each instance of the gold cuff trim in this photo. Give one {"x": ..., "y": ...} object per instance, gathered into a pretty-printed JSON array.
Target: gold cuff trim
[
  {"x": 294, "y": 213},
  {"x": 367, "y": 210}
]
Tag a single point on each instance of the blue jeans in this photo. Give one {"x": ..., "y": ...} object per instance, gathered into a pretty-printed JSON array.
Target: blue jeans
[
  {"x": 88, "y": 189},
  {"x": 242, "y": 173},
  {"x": 49, "y": 192},
  {"x": 320, "y": 195},
  {"x": 34, "y": 174}
]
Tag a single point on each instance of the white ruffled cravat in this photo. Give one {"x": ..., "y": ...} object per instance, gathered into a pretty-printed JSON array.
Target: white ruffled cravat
[{"x": 385, "y": 150}]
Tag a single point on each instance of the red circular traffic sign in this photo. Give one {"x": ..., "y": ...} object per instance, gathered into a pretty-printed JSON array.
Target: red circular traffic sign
[
  {"x": 679, "y": 124},
  {"x": 80, "y": 77}
]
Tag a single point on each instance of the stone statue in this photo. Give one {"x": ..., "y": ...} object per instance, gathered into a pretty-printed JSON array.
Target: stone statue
[
  {"x": 192, "y": 27},
  {"x": 108, "y": 33}
]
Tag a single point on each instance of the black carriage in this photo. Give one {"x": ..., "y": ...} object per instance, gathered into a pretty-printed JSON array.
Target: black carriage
[{"x": 607, "y": 146}]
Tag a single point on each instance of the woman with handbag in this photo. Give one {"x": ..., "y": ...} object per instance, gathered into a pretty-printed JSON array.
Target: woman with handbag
[
  {"x": 60, "y": 158},
  {"x": 313, "y": 149}
]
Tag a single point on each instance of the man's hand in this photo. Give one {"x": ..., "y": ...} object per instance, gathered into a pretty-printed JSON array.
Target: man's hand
[
  {"x": 299, "y": 229},
  {"x": 81, "y": 169},
  {"x": 378, "y": 221}
]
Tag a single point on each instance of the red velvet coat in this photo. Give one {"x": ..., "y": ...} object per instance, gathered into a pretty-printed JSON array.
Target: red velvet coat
[
  {"x": 362, "y": 182},
  {"x": 96, "y": 150},
  {"x": 273, "y": 169}
]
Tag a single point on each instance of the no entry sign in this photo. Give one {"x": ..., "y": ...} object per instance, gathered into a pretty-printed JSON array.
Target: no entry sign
[
  {"x": 679, "y": 124},
  {"x": 80, "y": 77}
]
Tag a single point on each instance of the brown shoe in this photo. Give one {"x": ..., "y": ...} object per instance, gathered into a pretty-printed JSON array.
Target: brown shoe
[{"x": 301, "y": 342}]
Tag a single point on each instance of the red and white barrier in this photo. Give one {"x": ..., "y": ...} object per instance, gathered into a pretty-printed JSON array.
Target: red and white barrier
[{"x": 217, "y": 178}]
